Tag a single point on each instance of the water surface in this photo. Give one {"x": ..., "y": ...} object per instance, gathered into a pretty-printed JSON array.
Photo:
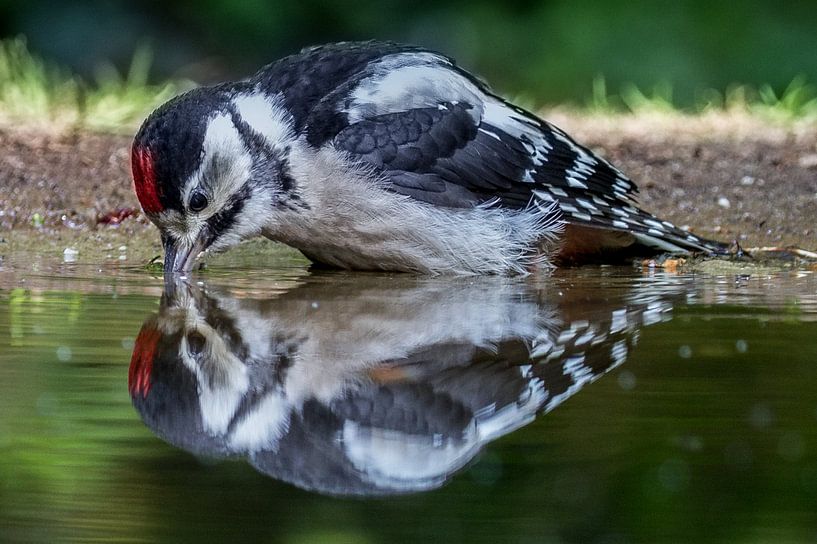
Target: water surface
[{"x": 600, "y": 405}]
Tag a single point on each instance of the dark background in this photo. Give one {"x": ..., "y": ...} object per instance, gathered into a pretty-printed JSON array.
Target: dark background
[{"x": 546, "y": 51}]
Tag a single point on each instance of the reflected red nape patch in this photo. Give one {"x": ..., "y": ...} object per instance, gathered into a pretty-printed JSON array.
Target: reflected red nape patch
[
  {"x": 144, "y": 180},
  {"x": 141, "y": 363}
]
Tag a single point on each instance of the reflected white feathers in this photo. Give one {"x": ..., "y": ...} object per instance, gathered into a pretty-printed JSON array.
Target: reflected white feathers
[{"x": 374, "y": 385}]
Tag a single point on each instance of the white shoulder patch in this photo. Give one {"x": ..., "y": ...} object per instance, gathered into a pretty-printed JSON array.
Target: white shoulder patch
[
  {"x": 409, "y": 81},
  {"x": 267, "y": 116},
  {"x": 223, "y": 141}
]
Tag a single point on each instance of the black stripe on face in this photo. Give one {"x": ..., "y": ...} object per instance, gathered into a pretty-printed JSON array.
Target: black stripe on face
[
  {"x": 253, "y": 140},
  {"x": 223, "y": 220},
  {"x": 270, "y": 164},
  {"x": 290, "y": 197}
]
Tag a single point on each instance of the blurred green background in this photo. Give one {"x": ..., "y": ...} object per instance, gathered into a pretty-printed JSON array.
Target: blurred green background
[{"x": 548, "y": 50}]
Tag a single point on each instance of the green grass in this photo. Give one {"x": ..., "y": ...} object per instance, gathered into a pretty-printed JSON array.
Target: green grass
[
  {"x": 35, "y": 93},
  {"x": 798, "y": 102}
]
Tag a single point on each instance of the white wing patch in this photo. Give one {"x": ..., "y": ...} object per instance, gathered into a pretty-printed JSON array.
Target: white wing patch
[
  {"x": 408, "y": 81},
  {"x": 267, "y": 116}
]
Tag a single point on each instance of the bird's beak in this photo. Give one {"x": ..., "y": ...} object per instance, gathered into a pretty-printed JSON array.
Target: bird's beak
[{"x": 179, "y": 258}]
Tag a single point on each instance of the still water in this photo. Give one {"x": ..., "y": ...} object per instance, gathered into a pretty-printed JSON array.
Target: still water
[{"x": 599, "y": 405}]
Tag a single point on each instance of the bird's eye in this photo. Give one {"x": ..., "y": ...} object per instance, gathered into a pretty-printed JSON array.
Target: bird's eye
[
  {"x": 196, "y": 342},
  {"x": 198, "y": 201}
]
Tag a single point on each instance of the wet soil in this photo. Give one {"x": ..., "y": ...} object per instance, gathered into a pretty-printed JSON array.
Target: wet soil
[{"x": 721, "y": 177}]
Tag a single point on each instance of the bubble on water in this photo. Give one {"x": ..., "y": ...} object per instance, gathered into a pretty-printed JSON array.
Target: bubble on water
[
  {"x": 741, "y": 346},
  {"x": 626, "y": 380},
  {"x": 64, "y": 354},
  {"x": 685, "y": 352}
]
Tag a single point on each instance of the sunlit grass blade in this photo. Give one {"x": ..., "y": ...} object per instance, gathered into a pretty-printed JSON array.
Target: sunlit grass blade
[{"x": 35, "y": 93}]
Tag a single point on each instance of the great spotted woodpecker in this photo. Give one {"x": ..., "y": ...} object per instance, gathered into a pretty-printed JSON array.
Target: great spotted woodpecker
[{"x": 381, "y": 156}]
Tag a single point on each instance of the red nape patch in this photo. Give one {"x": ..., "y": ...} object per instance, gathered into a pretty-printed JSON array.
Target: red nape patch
[
  {"x": 141, "y": 363},
  {"x": 144, "y": 179}
]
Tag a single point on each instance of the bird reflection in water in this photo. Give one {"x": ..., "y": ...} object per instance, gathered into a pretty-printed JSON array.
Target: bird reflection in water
[{"x": 372, "y": 385}]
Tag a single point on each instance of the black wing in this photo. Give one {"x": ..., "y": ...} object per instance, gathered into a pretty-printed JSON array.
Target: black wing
[
  {"x": 439, "y": 135},
  {"x": 306, "y": 78}
]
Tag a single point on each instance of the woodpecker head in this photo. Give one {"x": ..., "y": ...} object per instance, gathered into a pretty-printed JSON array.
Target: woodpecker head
[{"x": 210, "y": 167}]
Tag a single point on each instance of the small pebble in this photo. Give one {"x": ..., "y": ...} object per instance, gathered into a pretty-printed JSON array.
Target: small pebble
[
  {"x": 70, "y": 255},
  {"x": 808, "y": 161},
  {"x": 723, "y": 202},
  {"x": 123, "y": 248},
  {"x": 747, "y": 180}
]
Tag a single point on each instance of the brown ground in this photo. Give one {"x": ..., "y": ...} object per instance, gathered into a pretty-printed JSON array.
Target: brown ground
[{"x": 723, "y": 176}]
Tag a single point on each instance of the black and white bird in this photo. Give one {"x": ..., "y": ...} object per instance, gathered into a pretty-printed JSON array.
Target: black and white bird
[{"x": 380, "y": 156}]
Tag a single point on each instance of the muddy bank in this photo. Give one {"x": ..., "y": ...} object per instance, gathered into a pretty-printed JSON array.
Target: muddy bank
[{"x": 721, "y": 177}]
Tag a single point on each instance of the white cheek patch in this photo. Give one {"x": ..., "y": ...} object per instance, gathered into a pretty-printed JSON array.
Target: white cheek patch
[
  {"x": 222, "y": 380},
  {"x": 266, "y": 116},
  {"x": 225, "y": 167}
]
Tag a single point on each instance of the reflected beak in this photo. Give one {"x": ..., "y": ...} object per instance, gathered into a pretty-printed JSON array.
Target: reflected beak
[{"x": 179, "y": 258}]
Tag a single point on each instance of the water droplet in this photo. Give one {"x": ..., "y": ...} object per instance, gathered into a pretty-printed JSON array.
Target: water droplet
[
  {"x": 626, "y": 380},
  {"x": 64, "y": 354}
]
